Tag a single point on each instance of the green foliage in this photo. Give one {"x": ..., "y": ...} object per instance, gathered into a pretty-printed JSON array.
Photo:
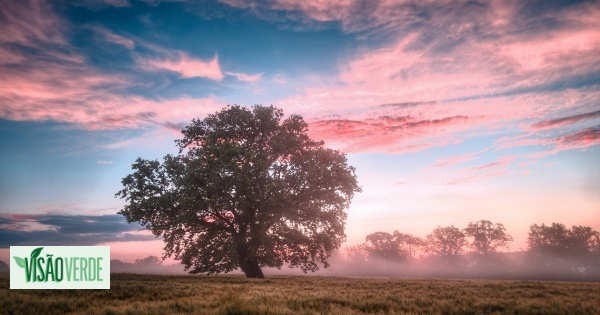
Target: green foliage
[
  {"x": 487, "y": 236},
  {"x": 248, "y": 189},
  {"x": 151, "y": 294}
]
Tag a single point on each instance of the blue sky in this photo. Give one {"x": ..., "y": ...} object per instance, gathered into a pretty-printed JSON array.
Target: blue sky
[{"x": 451, "y": 111}]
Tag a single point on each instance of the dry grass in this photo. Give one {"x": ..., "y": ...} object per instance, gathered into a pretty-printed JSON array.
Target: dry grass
[{"x": 160, "y": 294}]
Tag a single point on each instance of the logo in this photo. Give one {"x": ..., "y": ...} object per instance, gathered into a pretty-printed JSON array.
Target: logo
[{"x": 60, "y": 267}]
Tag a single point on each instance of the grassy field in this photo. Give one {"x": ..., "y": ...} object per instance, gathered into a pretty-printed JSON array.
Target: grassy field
[{"x": 158, "y": 294}]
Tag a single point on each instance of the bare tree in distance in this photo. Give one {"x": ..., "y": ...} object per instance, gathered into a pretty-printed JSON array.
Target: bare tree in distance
[
  {"x": 446, "y": 242},
  {"x": 487, "y": 236},
  {"x": 248, "y": 189}
]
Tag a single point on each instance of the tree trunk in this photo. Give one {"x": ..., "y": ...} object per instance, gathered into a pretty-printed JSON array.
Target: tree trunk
[{"x": 248, "y": 263}]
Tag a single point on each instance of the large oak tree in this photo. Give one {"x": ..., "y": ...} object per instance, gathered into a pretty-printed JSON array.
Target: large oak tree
[{"x": 248, "y": 189}]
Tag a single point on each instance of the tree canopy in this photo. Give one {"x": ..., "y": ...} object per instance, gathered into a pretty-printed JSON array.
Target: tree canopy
[
  {"x": 558, "y": 240},
  {"x": 248, "y": 189},
  {"x": 149, "y": 261},
  {"x": 383, "y": 245},
  {"x": 446, "y": 242},
  {"x": 487, "y": 236},
  {"x": 396, "y": 246}
]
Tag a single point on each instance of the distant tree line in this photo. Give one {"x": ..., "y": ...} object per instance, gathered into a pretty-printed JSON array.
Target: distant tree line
[
  {"x": 553, "y": 252},
  {"x": 480, "y": 243}
]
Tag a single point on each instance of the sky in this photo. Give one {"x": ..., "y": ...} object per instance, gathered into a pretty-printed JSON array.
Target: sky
[{"x": 451, "y": 111}]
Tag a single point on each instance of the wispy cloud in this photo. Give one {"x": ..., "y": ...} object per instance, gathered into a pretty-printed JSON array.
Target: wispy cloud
[
  {"x": 454, "y": 160},
  {"x": 585, "y": 137},
  {"x": 57, "y": 83},
  {"x": 114, "y": 38},
  {"x": 103, "y": 162},
  {"x": 100, "y": 4},
  {"x": 252, "y": 78},
  {"x": 387, "y": 133},
  {"x": 569, "y": 120},
  {"x": 16, "y": 230},
  {"x": 499, "y": 68},
  {"x": 184, "y": 65},
  {"x": 502, "y": 161},
  {"x": 30, "y": 22}
]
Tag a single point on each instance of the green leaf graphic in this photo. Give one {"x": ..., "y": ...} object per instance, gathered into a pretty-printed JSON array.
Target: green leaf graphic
[
  {"x": 35, "y": 253},
  {"x": 20, "y": 261}
]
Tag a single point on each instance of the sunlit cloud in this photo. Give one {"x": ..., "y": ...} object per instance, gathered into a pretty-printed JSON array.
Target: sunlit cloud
[
  {"x": 57, "y": 83},
  {"x": 185, "y": 66},
  {"x": 252, "y": 78},
  {"x": 585, "y": 137},
  {"x": 28, "y": 23},
  {"x": 486, "y": 83},
  {"x": 563, "y": 121},
  {"x": 426, "y": 83}
]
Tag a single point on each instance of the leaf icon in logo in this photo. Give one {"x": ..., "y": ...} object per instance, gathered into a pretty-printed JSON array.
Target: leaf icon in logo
[
  {"x": 20, "y": 261},
  {"x": 35, "y": 253}
]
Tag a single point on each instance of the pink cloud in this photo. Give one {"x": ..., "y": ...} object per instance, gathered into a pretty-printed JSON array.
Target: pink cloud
[
  {"x": 486, "y": 79},
  {"x": 523, "y": 164},
  {"x": 57, "y": 84},
  {"x": 28, "y": 22},
  {"x": 252, "y": 78},
  {"x": 476, "y": 177},
  {"x": 579, "y": 140},
  {"x": 386, "y": 133},
  {"x": 585, "y": 138},
  {"x": 453, "y": 160},
  {"x": 563, "y": 121},
  {"x": 132, "y": 112},
  {"x": 78, "y": 94},
  {"x": 351, "y": 14},
  {"x": 280, "y": 79},
  {"x": 502, "y": 161},
  {"x": 59, "y": 208},
  {"x": 558, "y": 50},
  {"x": 482, "y": 172},
  {"x": 185, "y": 66},
  {"x": 522, "y": 142},
  {"x": 114, "y": 38}
]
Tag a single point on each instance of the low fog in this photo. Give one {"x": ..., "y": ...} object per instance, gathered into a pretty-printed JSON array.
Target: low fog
[
  {"x": 555, "y": 252},
  {"x": 507, "y": 266},
  {"x": 515, "y": 266}
]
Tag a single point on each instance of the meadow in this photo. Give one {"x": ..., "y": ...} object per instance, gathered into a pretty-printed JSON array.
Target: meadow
[{"x": 229, "y": 294}]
